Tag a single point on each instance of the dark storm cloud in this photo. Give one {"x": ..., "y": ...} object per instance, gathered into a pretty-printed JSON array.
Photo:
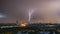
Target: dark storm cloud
[{"x": 16, "y": 9}]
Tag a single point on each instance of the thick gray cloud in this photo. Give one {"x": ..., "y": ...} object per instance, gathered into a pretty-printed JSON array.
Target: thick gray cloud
[{"x": 18, "y": 9}]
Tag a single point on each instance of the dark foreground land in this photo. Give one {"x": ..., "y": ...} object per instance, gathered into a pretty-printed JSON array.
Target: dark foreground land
[{"x": 32, "y": 29}]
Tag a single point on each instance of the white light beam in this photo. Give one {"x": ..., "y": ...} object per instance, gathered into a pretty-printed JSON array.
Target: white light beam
[{"x": 30, "y": 12}]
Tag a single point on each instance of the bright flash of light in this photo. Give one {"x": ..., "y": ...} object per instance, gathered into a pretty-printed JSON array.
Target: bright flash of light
[
  {"x": 2, "y": 16},
  {"x": 23, "y": 24}
]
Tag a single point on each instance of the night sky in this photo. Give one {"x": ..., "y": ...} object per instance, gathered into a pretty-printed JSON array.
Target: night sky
[{"x": 12, "y": 10}]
